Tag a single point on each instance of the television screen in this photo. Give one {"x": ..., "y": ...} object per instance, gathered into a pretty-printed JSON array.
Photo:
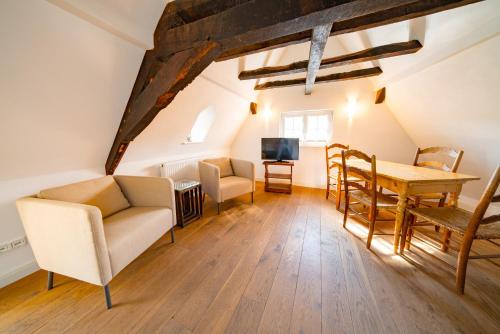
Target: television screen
[{"x": 280, "y": 149}]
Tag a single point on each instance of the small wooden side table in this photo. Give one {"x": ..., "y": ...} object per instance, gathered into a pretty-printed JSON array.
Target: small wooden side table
[
  {"x": 275, "y": 187},
  {"x": 188, "y": 201}
]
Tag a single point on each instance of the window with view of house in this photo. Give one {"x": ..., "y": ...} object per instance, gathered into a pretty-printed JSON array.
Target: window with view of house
[{"x": 313, "y": 128}]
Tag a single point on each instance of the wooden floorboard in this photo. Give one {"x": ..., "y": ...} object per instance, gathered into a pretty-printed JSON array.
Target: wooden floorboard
[{"x": 282, "y": 265}]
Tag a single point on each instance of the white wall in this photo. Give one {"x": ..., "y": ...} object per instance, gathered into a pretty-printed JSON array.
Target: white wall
[
  {"x": 372, "y": 129},
  {"x": 64, "y": 83},
  {"x": 456, "y": 103},
  {"x": 63, "y": 86}
]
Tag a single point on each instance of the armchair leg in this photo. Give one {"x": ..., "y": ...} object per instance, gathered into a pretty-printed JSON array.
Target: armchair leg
[
  {"x": 252, "y": 197},
  {"x": 108, "y": 297},
  {"x": 172, "y": 235},
  {"x": 50, "y": 280},
  {"x": 218, "y": 208}
]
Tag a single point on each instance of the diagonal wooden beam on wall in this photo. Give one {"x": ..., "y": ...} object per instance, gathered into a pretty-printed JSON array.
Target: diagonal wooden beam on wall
[
  {"x": 379, "y": 52},
  {"x": 318, "y": 42},
  {"x": 175, "y": 14},
  {"x": 400, "y": 13},
  {"x": 172, "y": 76},
  {"x": 357, "y": 74},
  {"x": 229, "y": 25}
]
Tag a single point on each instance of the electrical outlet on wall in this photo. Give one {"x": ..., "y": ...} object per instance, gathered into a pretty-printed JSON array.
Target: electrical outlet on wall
[
  {"x": 5, "y": 247},
  {"x": 13, "y": 244},
  {"x": 19, "y": 242}
]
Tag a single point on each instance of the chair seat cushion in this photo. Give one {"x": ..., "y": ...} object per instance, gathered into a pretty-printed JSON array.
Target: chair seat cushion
[
  {"x": 102, "y": 192},
  {"x": 233, "y": 186},
  {"x": 383, "y": 201},
  {"x": 130, "y": 232}
]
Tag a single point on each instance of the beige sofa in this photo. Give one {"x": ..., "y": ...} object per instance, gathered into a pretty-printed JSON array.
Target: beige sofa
[
  {"x": 91, "y": 230},
  {"x": 225, "y": 178}
]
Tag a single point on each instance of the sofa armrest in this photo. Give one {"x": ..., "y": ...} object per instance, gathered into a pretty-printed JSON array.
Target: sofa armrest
[
  {"x": 148, "y": 191},
  {"x": 67, "y": 238},
  {"x": 243, "y": 168},
  {"x": 210, "y": 180}
]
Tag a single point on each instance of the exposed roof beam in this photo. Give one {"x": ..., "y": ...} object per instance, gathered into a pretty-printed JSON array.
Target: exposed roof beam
[
  {"x": 399, "y": 13},
  {"x": 318, "y": 42},
  {"x": 357, "y": 74},
  {"x": 261, "y": 20},
  {"x": 379, "y": 52},
  {"x": 183, "y": 49}
]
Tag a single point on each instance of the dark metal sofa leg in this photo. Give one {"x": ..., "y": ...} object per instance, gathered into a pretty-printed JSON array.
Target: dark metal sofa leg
[
  {"x": 50, "y": 280},
  {"x": 108, "y": 297},
  {"x": 172, "y": 235}
]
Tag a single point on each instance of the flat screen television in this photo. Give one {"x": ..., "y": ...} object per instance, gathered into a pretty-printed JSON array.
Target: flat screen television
[{"x": 280, "y": 149}]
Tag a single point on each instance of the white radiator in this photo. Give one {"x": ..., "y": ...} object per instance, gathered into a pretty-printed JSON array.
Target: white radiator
[{"x": 182, "y": 169}]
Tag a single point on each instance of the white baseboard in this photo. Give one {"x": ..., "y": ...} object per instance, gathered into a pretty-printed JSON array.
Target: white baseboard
[{"x": 18, "y": 273}]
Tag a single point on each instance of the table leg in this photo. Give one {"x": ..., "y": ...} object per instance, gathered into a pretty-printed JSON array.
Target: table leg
[
  {"x": 201, "y": 199},
  {"x": 400, "y": 214},
  {"x": 181, "y": 209},
  {"x": 447, "y": 233},
  {"x": 339, "y": 191}
]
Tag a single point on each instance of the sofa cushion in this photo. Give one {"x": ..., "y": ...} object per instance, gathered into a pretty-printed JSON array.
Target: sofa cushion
[
  {"x": 130, "y": 232},
  {"x": 224, "y": 165},
  {"x": 233, "y": 186},
  {"x": 103, "y": 192}
]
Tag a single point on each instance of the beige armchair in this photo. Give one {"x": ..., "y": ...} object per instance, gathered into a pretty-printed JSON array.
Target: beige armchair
[
  {"x": 225, "y": 178},
  {"x": 91, "y": 230}
]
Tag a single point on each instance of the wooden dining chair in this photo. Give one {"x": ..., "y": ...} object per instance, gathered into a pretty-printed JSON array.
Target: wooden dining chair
[
  {"x": 364, "y": 191},
  {"x": 433, "y": 200},
  {"x": 334, "y": 171},
  {"x": 470, "y": 225},
  {"x": 452, "y": 153}
]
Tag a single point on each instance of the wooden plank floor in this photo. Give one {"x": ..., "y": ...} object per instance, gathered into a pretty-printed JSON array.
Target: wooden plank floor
[{"x": 282, "y": 265}]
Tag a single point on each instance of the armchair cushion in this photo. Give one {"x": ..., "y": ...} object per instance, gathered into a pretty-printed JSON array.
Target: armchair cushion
[
  {"x": 102, "y": 192},
  {"x": 233, "y": 186},
  {"x": 224, "y": 165},
  {"x": 130, "y": 232}
]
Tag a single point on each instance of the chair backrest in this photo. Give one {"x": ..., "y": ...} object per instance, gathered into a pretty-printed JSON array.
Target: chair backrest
[
  {"x": 452, "y": 153},
  {"x": 369, "y": 178},
  {"x": 333, "y": 151},
  {"x": 486, "y": 199}
]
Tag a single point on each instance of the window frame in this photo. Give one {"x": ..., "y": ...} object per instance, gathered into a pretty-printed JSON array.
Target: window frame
[{"x": 304, "y": 114}]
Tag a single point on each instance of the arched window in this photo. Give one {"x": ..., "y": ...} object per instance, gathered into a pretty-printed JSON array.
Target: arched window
[{"x": 202, "y": 125}]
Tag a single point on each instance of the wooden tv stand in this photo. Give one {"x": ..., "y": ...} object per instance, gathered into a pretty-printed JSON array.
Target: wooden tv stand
[{"x": 275, "y": 187}]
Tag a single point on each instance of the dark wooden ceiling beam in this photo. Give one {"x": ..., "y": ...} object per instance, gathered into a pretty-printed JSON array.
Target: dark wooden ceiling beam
[
  {"x": 202, "y": 37},
  {"x": 392, "y": 15},
  {"x": 224, "y": 23},
  {"x": 262, "y": 20},
  {"x": 379, "y": 52},
  {"x": 318, "y": 42},
  {"x": 357, "y": 74}
]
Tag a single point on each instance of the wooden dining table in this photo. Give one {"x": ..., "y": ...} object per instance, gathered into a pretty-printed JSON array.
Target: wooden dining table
[{"x": 406, "y": 180}]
